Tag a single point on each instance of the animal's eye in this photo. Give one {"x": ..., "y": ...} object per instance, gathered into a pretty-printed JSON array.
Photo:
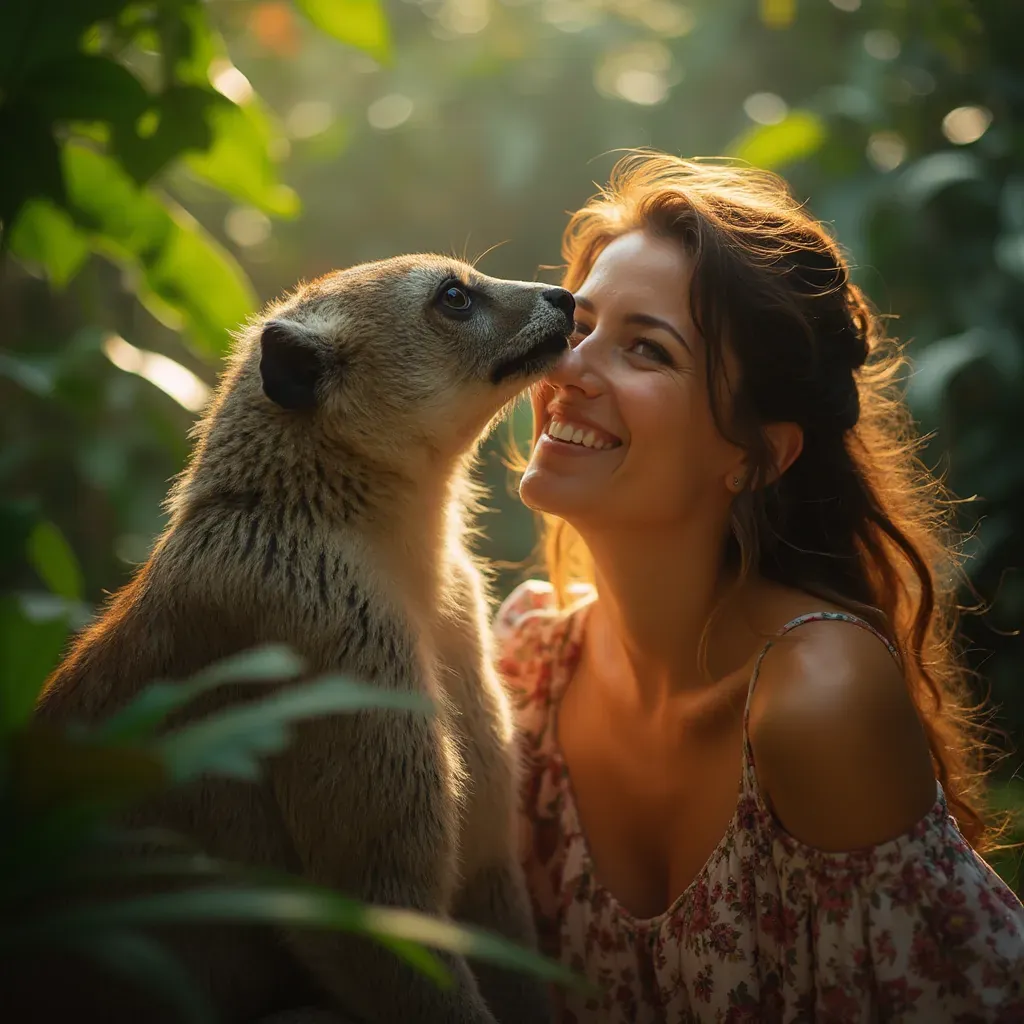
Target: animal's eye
[{"x": 457, "y": 298}]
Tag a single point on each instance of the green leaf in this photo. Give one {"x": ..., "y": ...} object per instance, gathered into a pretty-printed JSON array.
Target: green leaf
[
  {"x": 202, "y": 45},
  {"x": 179, "y": 123},
  {"x": 30, "y": 648},
  {"x": 238, "y": 161},
  {"x": 106, "y": 202},
  {"x": 188, "y": 279},
  {"x": 45, "y": 234},
  {"x": 360, "y": 23},
  {"x": 140, "y": 959},
  {"x": 86, "y": 87},
  {"x": 201, "y": 281},
  {"x": 51, "y": 556},
  {"x": 140, "y": 718},
  {"x": 772, "y": 146},
  {"x": 231, "y": 741}
]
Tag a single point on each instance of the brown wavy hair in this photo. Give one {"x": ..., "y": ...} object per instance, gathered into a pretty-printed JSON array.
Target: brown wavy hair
[{"x": 857, "y": 519}]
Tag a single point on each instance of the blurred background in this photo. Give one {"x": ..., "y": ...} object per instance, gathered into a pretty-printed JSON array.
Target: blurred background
[{"x": 166, "y": 167}]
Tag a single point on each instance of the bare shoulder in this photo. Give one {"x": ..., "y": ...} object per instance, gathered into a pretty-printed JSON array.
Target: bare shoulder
[{"x": 840, "y": 751}]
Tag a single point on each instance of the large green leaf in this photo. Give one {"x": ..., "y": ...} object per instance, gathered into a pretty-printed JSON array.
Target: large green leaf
[
  {"x": 107, "y": 203},
  {"x": 187, "y": 277},
  {"x": 150, "y": 709},
  {"x": 45, "y": 234},
  {"x": 238, "y": 161},
  {"x": 30, "y": 647},
  {"x": 52, "y": 557},
  {"x": 232, "y": 741},
  {"x": 201, "y": 281},
  {"x": 773, "y": 146},
  {"x": 360, "y": 23}
]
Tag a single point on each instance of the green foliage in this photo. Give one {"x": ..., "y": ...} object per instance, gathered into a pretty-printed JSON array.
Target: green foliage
[
  {"x": 110, "y": 96},
  {"x": 60, "y": 788}
]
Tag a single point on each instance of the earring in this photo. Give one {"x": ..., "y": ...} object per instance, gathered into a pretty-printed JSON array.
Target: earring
[{"x": 737, "y": 483}]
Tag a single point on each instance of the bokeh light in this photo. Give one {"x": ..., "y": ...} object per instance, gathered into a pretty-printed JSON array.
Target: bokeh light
[
  {"x": 765, "y": 108},
  {"x": 964, "y": 125},
  {"x": 389, "y": 112}
]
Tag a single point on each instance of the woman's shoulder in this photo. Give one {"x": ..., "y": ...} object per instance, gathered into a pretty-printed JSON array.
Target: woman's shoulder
[{"x": 840, "y": 749}]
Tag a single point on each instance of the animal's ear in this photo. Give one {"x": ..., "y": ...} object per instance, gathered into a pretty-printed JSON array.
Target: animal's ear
[{"x": 290, "y": 365}]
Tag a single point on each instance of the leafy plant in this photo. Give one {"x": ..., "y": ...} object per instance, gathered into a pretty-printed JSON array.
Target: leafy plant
[
  {"x": 60, "y": 788},
  {"x": 106, "y": 99}
]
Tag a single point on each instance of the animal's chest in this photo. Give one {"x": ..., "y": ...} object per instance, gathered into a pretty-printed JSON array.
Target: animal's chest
[{"x": 479, "y": 720}]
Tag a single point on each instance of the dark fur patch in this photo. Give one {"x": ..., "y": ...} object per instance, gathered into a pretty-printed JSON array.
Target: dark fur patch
[
  {"x": 270, "y": 555},
  {"x": 321, "y": 576}
]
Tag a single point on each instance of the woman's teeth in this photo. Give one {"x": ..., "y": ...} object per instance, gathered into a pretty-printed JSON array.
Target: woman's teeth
[{"x": 571, "y": 434}]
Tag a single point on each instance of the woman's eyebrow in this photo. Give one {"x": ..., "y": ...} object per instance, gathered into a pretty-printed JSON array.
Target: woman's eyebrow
[{"x": 645, "y": 319}]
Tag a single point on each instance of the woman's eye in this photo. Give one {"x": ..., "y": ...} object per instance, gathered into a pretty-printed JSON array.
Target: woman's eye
[
  {"x": 652, "y": 350},
  {"x": 457, "y": 298}
]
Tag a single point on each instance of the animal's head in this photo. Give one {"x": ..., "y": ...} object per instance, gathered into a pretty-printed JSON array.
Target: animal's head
[{"x": 409, "y": 352}]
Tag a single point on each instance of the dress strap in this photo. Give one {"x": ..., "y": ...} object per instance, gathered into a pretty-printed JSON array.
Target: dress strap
[{"x": 749, "y": 777}]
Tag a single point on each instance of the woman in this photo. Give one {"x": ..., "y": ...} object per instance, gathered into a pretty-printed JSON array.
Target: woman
[{"x": 747, "y": 739}]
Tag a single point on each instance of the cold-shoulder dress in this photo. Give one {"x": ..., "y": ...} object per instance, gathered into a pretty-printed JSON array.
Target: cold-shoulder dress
[{"x": 916, "y": 929}]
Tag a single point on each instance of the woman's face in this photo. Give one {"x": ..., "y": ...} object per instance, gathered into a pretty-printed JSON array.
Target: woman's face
[{"x": 623, "y": 429}]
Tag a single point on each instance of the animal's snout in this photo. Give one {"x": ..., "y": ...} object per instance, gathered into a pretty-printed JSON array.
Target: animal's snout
[{"x": 562, "y": 300}]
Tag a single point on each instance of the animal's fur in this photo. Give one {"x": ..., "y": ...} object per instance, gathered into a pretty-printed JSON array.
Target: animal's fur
[{"x": 330, "y": 518}]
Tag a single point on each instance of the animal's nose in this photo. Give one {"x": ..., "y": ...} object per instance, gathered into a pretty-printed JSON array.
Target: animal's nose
[{"x": 561, "y": 299}]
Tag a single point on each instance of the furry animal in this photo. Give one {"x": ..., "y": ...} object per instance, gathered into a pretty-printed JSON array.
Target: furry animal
[{"x": 323, "y": 507}]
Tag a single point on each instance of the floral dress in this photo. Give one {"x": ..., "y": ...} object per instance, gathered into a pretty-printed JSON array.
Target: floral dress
[{"x": 916, "y": 929}]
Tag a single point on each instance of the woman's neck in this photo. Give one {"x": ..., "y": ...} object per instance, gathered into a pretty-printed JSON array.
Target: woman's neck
[{"x": 656, "y": 595}]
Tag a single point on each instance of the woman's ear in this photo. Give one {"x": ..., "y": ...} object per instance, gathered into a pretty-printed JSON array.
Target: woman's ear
[{"x": 785, "y": 442}]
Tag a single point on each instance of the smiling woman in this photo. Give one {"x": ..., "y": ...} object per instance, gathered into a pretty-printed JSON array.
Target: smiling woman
[{"x": 744, "y": 723}]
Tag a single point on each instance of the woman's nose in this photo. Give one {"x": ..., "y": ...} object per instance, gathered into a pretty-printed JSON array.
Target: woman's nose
[{"x": 576, "y": 369}]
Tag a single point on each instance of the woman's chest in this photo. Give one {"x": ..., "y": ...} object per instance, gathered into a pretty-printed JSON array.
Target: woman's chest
[{"x": 653, "y": 801}]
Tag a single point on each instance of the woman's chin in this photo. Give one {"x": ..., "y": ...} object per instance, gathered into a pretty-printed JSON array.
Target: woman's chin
[{"x": 544, "y": 490}]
